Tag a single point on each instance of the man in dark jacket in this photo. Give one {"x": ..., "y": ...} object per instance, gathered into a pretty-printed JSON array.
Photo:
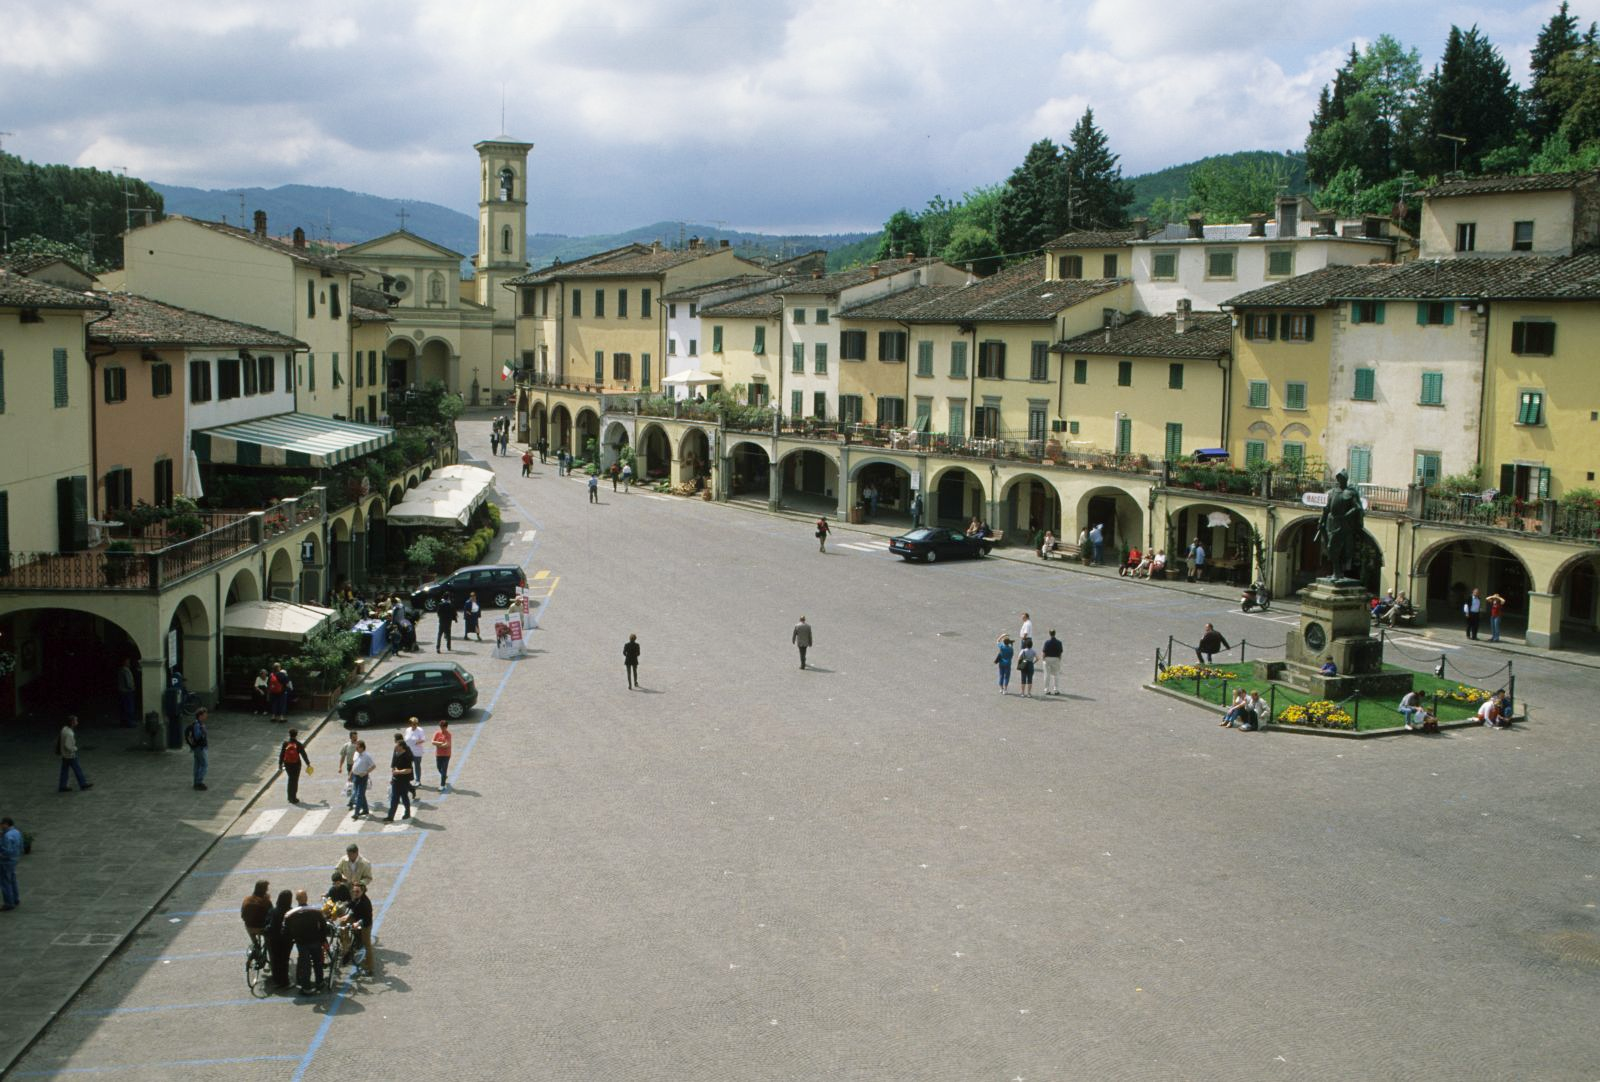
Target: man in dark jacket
[
  {"x": 256, "y": 911},
  {"x": 361, "y": 924},
  {"x": 630, "y": 660},
  {"x": 446, "y": 612},
  {"x": 291, "y": 757},
  {"x": 307, "y": 928},
  {"x": 1210, "y": 642}
]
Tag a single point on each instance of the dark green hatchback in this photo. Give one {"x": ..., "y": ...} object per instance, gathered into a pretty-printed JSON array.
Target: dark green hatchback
[{"x": 426, "y": 689}]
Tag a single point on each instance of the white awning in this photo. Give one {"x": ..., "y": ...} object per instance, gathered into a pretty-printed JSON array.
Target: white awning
[
  {"x": 692, "y": 378},
  {"x": 447, "y": 498},
  {"x": 274, "y": 619}
]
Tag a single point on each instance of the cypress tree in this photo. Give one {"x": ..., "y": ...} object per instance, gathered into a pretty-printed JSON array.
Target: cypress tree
[{"x": 1095, "y": 193}]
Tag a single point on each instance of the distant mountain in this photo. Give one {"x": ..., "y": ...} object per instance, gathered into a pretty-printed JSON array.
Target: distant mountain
[
  {"x": 346, "y": 217},
  {"x": 1173, "y": 181}
]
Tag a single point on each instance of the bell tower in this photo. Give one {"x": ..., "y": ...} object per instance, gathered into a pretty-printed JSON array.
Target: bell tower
[{"x": 502, "y": 220}]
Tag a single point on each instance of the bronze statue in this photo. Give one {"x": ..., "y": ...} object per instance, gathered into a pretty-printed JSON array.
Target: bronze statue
[{"x": 1340, "y": 528}]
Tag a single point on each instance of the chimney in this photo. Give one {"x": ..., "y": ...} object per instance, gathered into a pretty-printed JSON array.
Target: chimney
[
  {"x": 1375, "y": 226},
  {"x": 299, "y": 237},
  {"x": 694, "y": 244},
  {"x": 655, "y": 245},
  {"x": 261, "y": 223},
  {"x": 1180, "y": 317},
  {"x": 723, "y": 243},
  {"x": 1141, "y": 228},
  {"x": 1288, "y": 216},
  {"x": 911, "y": 255},
  {"x": 1258, "y": 225},
  {"x": 1327, "y": 222},
  {"x": 1197, "y": 227},
  {"x": 874, "y": 269}
]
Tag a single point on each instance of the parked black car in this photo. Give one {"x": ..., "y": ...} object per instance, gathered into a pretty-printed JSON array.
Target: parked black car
[
  {"x": 426, "y": 689},
  {"x": 930, "y": 543},
  {"x": 495, "y": 585}
]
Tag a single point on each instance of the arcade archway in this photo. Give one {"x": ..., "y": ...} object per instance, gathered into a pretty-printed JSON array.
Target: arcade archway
[
  {"x": 66, "y": 662},
  {"x": 1029, "y": 505},
  {"x": 653, "y": 455},
  {"x": 1453, "y": 569},
  {"x": 955, "y": 496},
  {"x": 810, "y": 480},
  {"x": 884, "y": 487},
  {"x": 1298, "y": 558},
  {"x": 694, "y": 456},
  {"x": 1120, "y": 518},
  {"x": 749, "y": 472}
]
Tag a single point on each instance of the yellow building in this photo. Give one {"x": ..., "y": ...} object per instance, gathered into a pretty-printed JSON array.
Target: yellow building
[
  {"x": 741, "y": 345},
  {"x": 370, "y": 322},
  {"x": 1155, "y": 386},
  {"x": 1105, "y": 253},
  {"x": 1278, "y": 394}
]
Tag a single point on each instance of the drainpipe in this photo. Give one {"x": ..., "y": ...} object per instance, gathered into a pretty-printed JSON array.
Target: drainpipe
[
  {"x": 91, "y": 357},
  {"x": 1483, "y": 387},
  {"x": 1225, "y": 367},
  {"x": 779, "y": 364}
]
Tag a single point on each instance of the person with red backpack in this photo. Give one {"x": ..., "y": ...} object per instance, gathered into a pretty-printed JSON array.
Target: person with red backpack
[
  {"x": 291, "y": 757},
  {"x": 278, "y": 688}
]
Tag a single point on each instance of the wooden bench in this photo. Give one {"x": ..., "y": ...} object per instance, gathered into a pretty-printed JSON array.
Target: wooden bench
[{"x": 1062, "y": 550}]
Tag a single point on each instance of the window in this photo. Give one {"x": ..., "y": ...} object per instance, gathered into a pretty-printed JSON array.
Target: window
[
  {"x": 162, "y": 482},
  {"x": 1359, "y": 467},
  {"x": 355, "y": 370},
  {"x": 644, "y": 371},
  {"x": 288, "y": 373},
  {"x": 599, "y": 366},
  {"x": 1219, "y": 263},
  {"x": 760, "y": 346},
  {"x": 505, "y": 239},
  {"x": 797, "y": 403},
  {"x": 622, "y": 367},
  {"x": 372, "y": 367},
  {"x": 266, "y": 374},
  {"x": 577, "y": 303},
  {"x": 1466, "y": 236},
  {"x": 1080, "y": 370},
  {"x": 622, "y": 304},
  {"x": 1039, "y": 361},
  {"x": 1124, "y": 373},
  {"x": 1532, "y": 339},
  {"x": 1255, "y": 452},
  {"x": 986, "y": 419},
  {"x": 892, "y": 346},
  {"x": 1164, "y": 266},
  {"x": 819, "y": 405},
  {"x": 1280, "y": 262},
  {"x": 311, "y": 300},
  {"x": 645, "y": 310},
  {"x": 1366, "y": 311},
  {"x": 1174, "y": 445},
  {"x": 116, "y": 384},
  {"x": 599, "y": 304},
  {"x": 1072, "y": 266},
  {"x": 361, "y": 415},
  {"x": 958, "y": 360},
  {"x": 891, "y": 412},
  {"x": 849, "y": 409},
  {"x": 924, "y": 358},
  {"x": 544, "y": 301},
  {"x": 199, "y": 381},
  {"x": 1294, "y": 457},
  {"x": 992, "y": 360},
  {"x": 311, "y": 371},
  {"x": 694, "y": 347},
  {"x": 1426, "y": 468},
  {"x": 822, "y": 315},
  {"x": 528, "y": 308},
  {"x": 335, "y": 309},
  {"x": 716, "y": 338},
  {"x": 957, "y": 425},
  {"x": 1072, "y": 428},
  {"x": 852, "y": 345},
  {"x": 1435, "y": 314},
  {"x": 1432, "y": 393},
  {"x": 1124, "y": 435},
  {"x": 1037, "y": 426},
  {"x": 2, "y": 410},
  {"x": 694, "y": 309},
  {"x": 1366, "y": 389},
  {"x": 1108, "y": 266},
  {"x": 229, "y": 384},
  {"x": 1294, "y": 395},
  {"x": 672, "y": 347},
  {"x": 119, "y": 489},
  {"x": 1175, "y": 377},
  {"x": 1259, "y": 394},
  {"x": 799, "y": 315},
  {"x": 819, "y": 361},
  {"x": 672, "y": 310},
  {"x": 1299, "y": 328},
  {"x": 797, "y": 359},
  {"x": 1261, "y": 327},
  {"x": 5, "y": 526},
  {"x": 338, "y": 380},
  {"x": 160, "y": 380},
  {"x": 58, "y": 366},
  {"x": 1530, "y": 410},
  {"x": 1522, "y": 236}
]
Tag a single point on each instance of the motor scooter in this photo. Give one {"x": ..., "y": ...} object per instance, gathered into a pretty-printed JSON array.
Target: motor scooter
[{"x": 1255, "y": 596}]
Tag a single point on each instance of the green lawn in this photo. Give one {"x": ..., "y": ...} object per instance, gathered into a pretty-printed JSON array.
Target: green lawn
[{"x": 1373, "y": 713}]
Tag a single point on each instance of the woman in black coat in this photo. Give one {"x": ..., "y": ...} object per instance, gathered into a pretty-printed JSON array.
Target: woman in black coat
[{"x": 278, "y": 942}]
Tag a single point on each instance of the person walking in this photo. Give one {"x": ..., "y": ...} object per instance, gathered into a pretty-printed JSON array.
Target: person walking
[
  {"x": 527, "y": 463},
  {"x": 198, "y": 740},
  {"x": 822, "y": 534},
  {"x": 630, "y": 660},
  {"x": 1002, "y": 660},
  {"x": 1473, "y": 610},
  {"x": 801, "y": 637},
  {"x": 1052, "y": 664},
  {"x": 10, "y": 853},
  {"x": 347, "y": 761},
  {"x": 360, "y": 776},
  {"x": 278, "y": 942},
  {"x": 441, "y": 753},
  {"x": 916, "y": 511},
  {"x": 1097, "y": 538},
  {"x": 1211, "y": 641},
  {"x": 470, "y": 614},
  {"x": 1026, "y": 630},
  {"x": 291, "y": 757},
  {"x": 1025, "y": 661},
  {"x": 127, "y": 695},
  {"x": 615, "y": 472},
  {"x": 544, "y": 445},
  {"x": 594, "y": 488},
  {"x": 399, "y": 778},
  {"x": 417, "y": 744},
  {"x": 67, "y": 749},
  {"x": 278, "y": 688},
  {"x": 1497, "y": 609},
  {"x": 445, "y": 613}
]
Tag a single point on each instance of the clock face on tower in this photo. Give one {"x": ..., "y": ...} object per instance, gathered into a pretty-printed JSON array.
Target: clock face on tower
[{"x": 1315, "y": 637}]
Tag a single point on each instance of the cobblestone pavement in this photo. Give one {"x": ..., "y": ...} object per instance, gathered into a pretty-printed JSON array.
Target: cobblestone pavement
[{"x": 878, "y": 867}]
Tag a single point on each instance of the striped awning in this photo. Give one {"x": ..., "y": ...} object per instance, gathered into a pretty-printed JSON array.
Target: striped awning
[{"x": 288, "y": 439}]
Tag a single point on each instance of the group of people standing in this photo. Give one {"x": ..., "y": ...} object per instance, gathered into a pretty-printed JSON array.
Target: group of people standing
[
  {"x": 294, "y": 924},
  {"x": 499, "y": 435},
  {"x": 405, "y": 767},
  {"x": 1022, "y": 652}
]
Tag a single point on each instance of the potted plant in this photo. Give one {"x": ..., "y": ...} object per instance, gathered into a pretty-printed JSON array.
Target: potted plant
[{"x": 119, "y": 562}]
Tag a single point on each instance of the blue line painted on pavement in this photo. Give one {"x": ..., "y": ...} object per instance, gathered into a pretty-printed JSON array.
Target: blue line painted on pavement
[
  {"x": 272, "y": 871},
  {"x": 354, "y": 836},
  {"x": 158, "y": 1065}
]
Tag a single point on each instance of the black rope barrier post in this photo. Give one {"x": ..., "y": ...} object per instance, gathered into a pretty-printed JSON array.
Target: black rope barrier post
[
  {"x": 1169, "y": 649},
  {"x": 1224, "y": 693},
  {"x": 1242, "y": 644},
  {"x": 1356, "y": 714},
  {"x": 1158, "y": 665},
  {"x": 1272, "y": 703},
  {"x": 1438, "y": 670}
]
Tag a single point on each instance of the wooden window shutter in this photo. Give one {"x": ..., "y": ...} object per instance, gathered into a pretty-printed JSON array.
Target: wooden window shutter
[
  {"x": 1311, "y": 326},
  {"x": 59, "y": 360},
  {"x": 1272, "y": 326}
]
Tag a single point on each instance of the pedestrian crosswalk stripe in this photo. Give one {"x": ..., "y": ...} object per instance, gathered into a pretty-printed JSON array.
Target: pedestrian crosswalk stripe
[
  {"x": 309, "y": 822},
  {"x": 664, "y": 499},
  {"x": 395, "y": 828},
  {"x": 348, "y": 825},
  {"x": 265, "y": 821},
  {"x": 859, "y": 547},
  {"x": 529, "y": 535}
]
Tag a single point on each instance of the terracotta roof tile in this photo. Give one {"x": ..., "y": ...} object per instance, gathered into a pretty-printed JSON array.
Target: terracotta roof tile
[
  {"x": 742, "y": 281},
  {"x": 1524, "y": 277},
  {"x": 18, "y": 291},
  {"x": 140, "y": 321},
  {"x": 1493, "y": 185},
  {"x": 304, "y": 256},
  {"x": 629, "y": 261},
  {"x": 1094, "y": 238},
  {"x": 1016, "y": 294},
  {"x": 1206, "y": 334}
]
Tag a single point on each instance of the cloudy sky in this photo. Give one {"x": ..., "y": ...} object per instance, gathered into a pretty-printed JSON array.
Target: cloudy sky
[{"x": 779, "y": 115}]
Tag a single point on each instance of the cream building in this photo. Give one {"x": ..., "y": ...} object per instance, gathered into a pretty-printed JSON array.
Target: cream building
[{"x": 1551, "y": 214}]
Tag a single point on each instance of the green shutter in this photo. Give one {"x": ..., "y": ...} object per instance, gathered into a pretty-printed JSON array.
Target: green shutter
[
  {"x": 1255, "y": 452},
  {"x": 1422, "y": 313},
  {"x": 1174, "y": 441},
  {"x": 761, "y": 340},
  {"x": 1175, "y": 376},
  {"x": 5, "y": 531},
  {"x": 1124, "y": 373},
  {"x": 924, "y": 358},
  {"x": 1366, "y": 380},
  {"x": 797, "y": 357},
  {"x": 958, "y": 360},
  {"x": 1272, "y": 326},
  {"x": 1433, "y": 388},
  {"x": 60, "y": 363},
  {"x": 1124, "y": 435},
  {"x": 1294, "y": 457},
  {"x": 1260, "y": 394},
  {"x": 1542, "y": 475},
  {"x": 1360, "y": 469},
  {"x": 644, "y": 371},
  {"x": 820, "y": 362},
  {"x": 796, "y": 403},
  {"x": 716, "y": 339},
  {"x": 1080, "y": 371},
  {"x": 2, "y": 383},
  {"x": 1378, "y": 312},
  {"x": 1449, "y": 314},
  {"x": 1311, "y": 326}
]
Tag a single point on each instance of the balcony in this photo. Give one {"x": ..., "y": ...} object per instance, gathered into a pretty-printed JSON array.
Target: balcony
[{"x": 146, "y": 565}]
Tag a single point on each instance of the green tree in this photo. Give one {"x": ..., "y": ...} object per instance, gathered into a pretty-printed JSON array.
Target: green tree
[
  {"x": 901, "y": 235},
  {"x": 33, "y": 244},
  {"x": 1546, "y": 105},
  {"x": 971, "y": 243},
  {"x": 84, "y": 208},
  {"x": 1364, "y": 119},
  {"x": 1469, "y": 96},
  {"x": 1029, "y": 215},
  {"x": 1095, "y": 194},
  {"x": 1573, "y": 87},
  {"x": 1228, "y": 191}
]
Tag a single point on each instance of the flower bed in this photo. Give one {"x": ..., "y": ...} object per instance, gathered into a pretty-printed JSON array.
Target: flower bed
[
  {"x": 1195, "y": 672},
  {"x": 1317, "y": 714}
]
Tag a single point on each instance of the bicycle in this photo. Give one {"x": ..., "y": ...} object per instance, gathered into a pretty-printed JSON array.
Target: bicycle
[{"x": 256, "y": 965}]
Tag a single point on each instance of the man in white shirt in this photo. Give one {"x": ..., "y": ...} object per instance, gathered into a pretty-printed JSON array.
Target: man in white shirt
[
  {"x": 360, "y": 775},
  {"x": 1027, "y": 628},
  {"x": 417, "y": 744}
]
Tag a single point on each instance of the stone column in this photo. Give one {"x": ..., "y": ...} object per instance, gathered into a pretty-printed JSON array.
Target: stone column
[
  {"x": 846, "y": 495},
  {"x": 1544, "y": 620}
]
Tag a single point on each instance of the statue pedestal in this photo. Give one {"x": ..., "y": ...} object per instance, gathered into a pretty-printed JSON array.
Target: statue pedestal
[{"x": 1335, "y": 621}]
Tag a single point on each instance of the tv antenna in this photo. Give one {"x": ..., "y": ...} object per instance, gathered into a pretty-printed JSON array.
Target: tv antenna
[
  {"x": 1455, "y": 151},
  {"x": 5, "y": 220}
]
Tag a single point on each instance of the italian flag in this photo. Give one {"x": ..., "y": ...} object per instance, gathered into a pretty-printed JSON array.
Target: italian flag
[{"x": 505, "y": 371}]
